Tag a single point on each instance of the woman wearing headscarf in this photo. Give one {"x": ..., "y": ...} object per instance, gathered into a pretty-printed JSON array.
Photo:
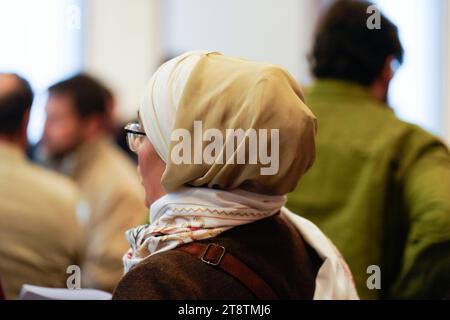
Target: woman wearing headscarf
[{"x": 218, "y": 228}]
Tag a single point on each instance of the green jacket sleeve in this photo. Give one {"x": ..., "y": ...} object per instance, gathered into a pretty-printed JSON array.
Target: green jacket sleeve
[{"x": 425, "y": 176}]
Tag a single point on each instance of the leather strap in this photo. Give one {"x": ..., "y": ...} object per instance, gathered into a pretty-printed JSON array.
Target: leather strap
[{"x": 216, "y": 255}]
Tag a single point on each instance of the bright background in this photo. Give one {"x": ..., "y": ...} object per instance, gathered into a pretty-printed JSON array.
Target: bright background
[{"x": 122, "y": 42}]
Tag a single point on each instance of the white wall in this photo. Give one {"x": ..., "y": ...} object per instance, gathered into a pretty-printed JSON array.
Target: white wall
[
  {"x": 122, "y": 47},
  {"x": 416, "y": 92},
  {"x": 446, "y": 81},
  {"x": 266, "y": 30},
  {"x": 41, "y": 40}
]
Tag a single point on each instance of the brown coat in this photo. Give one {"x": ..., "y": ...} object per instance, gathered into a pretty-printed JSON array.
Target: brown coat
[{"x": 271, "y": 247}]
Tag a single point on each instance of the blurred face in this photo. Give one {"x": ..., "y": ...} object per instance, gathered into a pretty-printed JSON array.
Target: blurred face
[
  {"x": 151, "y": 169},
  {"x": 63, "y": 128}
]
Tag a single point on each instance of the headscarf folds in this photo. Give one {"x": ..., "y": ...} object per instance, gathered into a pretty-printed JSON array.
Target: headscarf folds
[{"x": 204, "y": 198}]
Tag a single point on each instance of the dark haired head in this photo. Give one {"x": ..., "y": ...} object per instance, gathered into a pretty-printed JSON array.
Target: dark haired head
[
  {"x": 88, "y": 95},
  {"x": 15, "y": 102},
  {"x": 346, "y": 49}
]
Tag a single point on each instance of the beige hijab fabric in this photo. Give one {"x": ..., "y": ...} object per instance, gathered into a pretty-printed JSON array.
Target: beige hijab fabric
[
  {"x": 204, "y": 200},
  {"x": 225, "y": 92}
]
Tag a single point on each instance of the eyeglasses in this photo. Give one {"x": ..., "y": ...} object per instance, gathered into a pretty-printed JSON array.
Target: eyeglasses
[{"x": 134, "y": 135}]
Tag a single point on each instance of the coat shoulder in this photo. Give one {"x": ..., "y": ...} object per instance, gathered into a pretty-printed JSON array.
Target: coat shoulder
[
  {"x": 176, "y": 275},
  {"x": 282, "y": 260}
]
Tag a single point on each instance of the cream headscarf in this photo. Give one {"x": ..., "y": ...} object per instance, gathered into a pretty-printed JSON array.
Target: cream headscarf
[
  {"x": 205, "y": 200},
  {"x": 225, "y": 92}
]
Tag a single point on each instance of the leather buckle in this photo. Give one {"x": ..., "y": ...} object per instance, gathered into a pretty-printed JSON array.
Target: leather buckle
[{"x": 212, "y": 263}]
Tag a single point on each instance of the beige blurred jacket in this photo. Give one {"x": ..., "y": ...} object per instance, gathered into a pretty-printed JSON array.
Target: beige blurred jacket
[
  {"x": 39, "y": 232},
  {"x": 113, "y": 203}
]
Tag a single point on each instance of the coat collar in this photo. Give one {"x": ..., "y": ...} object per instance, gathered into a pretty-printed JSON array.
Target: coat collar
[{"x": 341, "y": 88}]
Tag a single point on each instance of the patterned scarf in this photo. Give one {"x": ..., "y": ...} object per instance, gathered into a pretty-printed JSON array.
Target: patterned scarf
[{"x": 196, "y": 214}]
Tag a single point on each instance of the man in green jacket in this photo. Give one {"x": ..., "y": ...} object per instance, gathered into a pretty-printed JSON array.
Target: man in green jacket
[{"x": 380, "y": 187}]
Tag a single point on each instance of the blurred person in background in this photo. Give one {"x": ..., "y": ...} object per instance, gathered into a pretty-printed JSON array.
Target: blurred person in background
[
  {"x": 76, "y": 143},
  {"x": 39, "y": 231},
  {"x": 380, "y": 187},
  {"x": 114, "y": 125}
]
